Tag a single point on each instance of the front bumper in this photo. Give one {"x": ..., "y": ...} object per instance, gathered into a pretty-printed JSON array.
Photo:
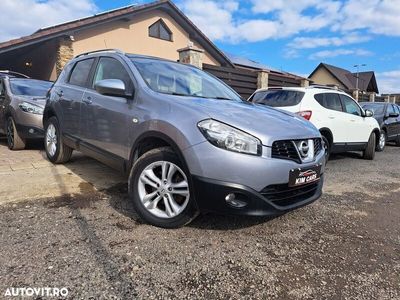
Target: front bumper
[
  {"x": 30, "y": 132},
  {"x": 271, "y": 201}
]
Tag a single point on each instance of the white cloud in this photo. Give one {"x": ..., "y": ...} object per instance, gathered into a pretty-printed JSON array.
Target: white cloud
[
  {"x": 388, "y": 82},
  {"x": 377, "y": 16},
  {"x": 316, "y": 42},
  {"x": 218, "y": 20},
  {"x": 23, "y": 17},
  {"x": 339, "y": 52}
]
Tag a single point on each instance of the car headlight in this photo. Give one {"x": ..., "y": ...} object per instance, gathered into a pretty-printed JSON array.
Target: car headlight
[
  {"x": 229, "y": 138},
  {"x": 31, "y": 108}
]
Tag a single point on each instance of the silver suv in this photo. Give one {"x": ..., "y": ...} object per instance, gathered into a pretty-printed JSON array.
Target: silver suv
[{"x": 188, "y": 141}]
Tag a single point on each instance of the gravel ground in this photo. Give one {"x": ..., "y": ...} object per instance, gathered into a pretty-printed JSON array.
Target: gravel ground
[{"x": 344, "y": 246}]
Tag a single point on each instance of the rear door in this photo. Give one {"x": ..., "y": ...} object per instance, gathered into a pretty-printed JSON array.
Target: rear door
[
  {"x": 70, "y": 97},
  {"x": 332, "y": 115},
  {"x": 357, "y": 130},
  {"x": 105, "y": 119}
]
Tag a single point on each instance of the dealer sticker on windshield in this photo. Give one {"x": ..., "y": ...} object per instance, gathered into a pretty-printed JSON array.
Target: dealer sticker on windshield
[{"x": 304, "y": 176}]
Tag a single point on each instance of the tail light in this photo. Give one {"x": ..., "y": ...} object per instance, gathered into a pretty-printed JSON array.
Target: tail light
[{"x": 306, "y": 114}]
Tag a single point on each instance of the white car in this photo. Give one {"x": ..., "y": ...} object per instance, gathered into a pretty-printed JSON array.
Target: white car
[{"x": 343, "y": 124}]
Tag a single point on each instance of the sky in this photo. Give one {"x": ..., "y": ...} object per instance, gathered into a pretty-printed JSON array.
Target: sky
[{"x": 290, "y": 35}]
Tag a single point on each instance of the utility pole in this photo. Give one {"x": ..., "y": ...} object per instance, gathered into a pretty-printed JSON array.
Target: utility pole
[{"x": 358, "y": 71}]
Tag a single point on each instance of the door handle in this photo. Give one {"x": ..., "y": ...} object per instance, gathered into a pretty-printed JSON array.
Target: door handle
[
  {"x": 88, "y": 100},
  {"x": 331, "y": 117}
]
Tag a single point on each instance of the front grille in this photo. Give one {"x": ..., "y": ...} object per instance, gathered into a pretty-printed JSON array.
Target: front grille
[
  {"x": 287, "y": 150},
  {"x": 283, "y": 195},
  {"x": 317, "y": 146}
]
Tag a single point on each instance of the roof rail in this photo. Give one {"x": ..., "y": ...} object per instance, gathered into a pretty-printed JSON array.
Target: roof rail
[
  {"x": 15, "y": 74},
  {"x": 102, "y": 50},
  {"x": 327, "y": 87}
]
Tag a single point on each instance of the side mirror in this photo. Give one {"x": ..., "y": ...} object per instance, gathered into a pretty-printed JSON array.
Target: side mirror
[
  {"x": 393, "y": 115},
  {"x": 368, "y": 113},
  {"x": 111, "y": 87}
]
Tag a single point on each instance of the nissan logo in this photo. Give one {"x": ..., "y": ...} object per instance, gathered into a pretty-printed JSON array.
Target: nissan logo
[{"x": 303, "y": 148}]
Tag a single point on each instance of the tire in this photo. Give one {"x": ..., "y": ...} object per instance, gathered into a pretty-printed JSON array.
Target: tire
[
  {"x": 57, "y": 152},
  {"x": 327, "y": 147},
  {"x": 369, "y": 152},
  {"x": 163, "y": 208},
  {"x": 14, "y": 140},
  {"x": 380, "y": 146},
  {"x": 398, "y": 141}
]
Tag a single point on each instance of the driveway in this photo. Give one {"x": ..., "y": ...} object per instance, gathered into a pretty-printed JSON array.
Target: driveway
[{"x": 72, "y": 226}]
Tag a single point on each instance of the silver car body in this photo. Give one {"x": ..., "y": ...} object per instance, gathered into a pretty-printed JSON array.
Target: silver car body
[
  {"x": 29, "y": 125},
  {"x": 110, "y": 128}
]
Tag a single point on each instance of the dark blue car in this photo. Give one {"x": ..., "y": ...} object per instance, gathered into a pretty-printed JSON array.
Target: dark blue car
[{"x": 388, "y": 117}]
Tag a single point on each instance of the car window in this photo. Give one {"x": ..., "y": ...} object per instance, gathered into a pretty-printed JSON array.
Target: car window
[
  {"x": 378, "y": 109},
  {"x": 110, "y": 68},
  {"x": 182, "y": 80},
  {"x": 397, "y": 108},
  {"x": 30, "y": 87},
  {"x": 329, "y": 101},
  {"x": 277, "y": 98},
  {"x": 2, "y": 90},
  {"x": 350, "y": 105},
  {"x": 390, "y": 109},
  {"x": 80, "y": 72}
]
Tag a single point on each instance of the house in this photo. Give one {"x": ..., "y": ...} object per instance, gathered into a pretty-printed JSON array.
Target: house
[
  {"x": 157, "y": 29},
  {"x": 360, "y": 85}
]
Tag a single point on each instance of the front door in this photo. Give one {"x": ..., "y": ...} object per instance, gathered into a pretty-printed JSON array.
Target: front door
[
  {"x": 105, "y": 119},
  {"x": 391, "y": 121},
  {"x": 357, "y": 129},
  {"x": 2, "y": 106},
  {"x": 70, "y": 97}
]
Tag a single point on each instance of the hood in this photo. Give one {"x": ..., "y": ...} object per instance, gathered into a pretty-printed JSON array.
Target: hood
[
  {"x": 266, "y": 123},
  {"x": 36, "y": 100}
]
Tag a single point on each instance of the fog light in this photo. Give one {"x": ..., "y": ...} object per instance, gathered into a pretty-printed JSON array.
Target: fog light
[{"x": 233, "y": 201}]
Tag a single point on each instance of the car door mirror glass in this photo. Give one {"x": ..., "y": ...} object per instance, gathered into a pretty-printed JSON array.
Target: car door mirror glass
[
  {"x": 368, "y": 113},
  {"x": 393, "y": 115},
  {"x": 111, "y": 87}
]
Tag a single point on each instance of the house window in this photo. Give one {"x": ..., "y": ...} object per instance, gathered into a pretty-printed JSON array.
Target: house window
[{"x": 160, "y": 30}]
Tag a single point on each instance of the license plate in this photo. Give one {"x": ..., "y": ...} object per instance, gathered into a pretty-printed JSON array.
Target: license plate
[{"x": 304, "y": 176}]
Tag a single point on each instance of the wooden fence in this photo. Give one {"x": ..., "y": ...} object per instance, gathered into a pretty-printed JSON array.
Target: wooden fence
[{"x": 244, "y": 81}]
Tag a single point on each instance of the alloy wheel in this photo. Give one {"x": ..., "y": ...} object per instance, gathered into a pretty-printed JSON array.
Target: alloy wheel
[
  {"x": 163, "y": 189},
  {"x": 10, "y": 133},
  {"x": 51, "y": 140},
  {"x": 382, "y": 140}
]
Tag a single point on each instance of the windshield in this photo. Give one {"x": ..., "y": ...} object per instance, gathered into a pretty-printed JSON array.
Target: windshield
[
  {"x": 29, "y": 87},
  {"x": 377, "y": 109},
  {"x": 182, "y": 80},
  {"x": 277, "y": 98}
]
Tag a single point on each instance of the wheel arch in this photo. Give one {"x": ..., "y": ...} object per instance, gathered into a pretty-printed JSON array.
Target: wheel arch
[
  {"x": 47, "y": 114},
  {"x": 151, "y": 140},
  {"x": 377, "y": 132},
  {"x": 328, "y": 133}
]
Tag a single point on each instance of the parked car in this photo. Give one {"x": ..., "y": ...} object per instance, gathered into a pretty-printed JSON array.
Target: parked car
[
  {"x": 343, "y": 124},
  {"x": 8, "y": 73},
  {"x": 21, "y": 108},
  {"x": 388, "y": 117},
  {"x": 188, "y": 141}
]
